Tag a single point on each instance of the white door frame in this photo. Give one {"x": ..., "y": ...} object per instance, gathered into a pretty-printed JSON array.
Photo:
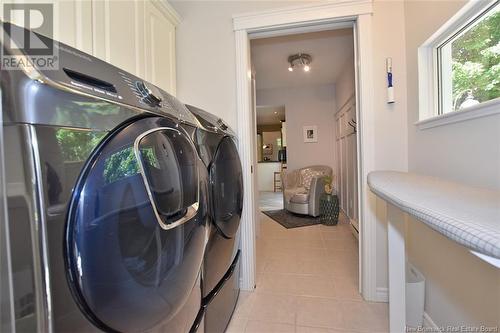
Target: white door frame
[{"x": 297, "y": 18}]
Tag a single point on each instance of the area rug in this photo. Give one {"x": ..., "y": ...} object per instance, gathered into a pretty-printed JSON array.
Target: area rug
[{"x": 290, "y": 220}]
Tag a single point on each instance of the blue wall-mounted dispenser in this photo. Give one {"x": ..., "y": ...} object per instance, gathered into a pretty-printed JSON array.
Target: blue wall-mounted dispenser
[{"x": 390, "y": 87}]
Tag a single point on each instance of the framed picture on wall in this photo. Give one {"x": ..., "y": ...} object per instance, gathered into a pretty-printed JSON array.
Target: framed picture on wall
[{"x": 311, "y": 133}]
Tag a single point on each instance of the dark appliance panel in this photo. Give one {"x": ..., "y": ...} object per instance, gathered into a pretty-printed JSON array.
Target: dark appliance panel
[
  {"x": 128, "y": 269},
  {"x": 226, "y": 180}
]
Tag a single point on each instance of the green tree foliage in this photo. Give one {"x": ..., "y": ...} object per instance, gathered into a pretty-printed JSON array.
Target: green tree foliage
[
  {"x": 76, "y": 145},
  {"x": 124, "y": 164},
  {"x": 120, "y": 165},
  {"x": 476, "y": 61}
]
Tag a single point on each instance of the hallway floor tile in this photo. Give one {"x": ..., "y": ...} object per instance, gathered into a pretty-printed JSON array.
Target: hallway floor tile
[{"x": 307, "y": 282}]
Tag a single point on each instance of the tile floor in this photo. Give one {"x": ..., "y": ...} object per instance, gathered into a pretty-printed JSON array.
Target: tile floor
[
  {"x": 307, "y": 282},
  {"x": 270, "y": 200}
]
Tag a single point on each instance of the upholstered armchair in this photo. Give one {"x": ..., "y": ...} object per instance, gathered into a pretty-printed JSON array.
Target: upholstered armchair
[{"x": 302, "y": 189}]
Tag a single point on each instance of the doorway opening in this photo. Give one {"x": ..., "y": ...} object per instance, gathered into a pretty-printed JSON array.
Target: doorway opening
[
  {"x": 306, "y": 152},
  {"x": 271, "y": 154},
  {"x": 302, "y": 19}
]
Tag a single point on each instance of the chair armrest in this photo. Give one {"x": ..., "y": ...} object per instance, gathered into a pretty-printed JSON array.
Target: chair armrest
[{"x": 315, "y": 191}]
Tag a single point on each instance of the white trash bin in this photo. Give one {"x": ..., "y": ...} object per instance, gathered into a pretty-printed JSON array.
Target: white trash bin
[{"x": 415, "y": 295}]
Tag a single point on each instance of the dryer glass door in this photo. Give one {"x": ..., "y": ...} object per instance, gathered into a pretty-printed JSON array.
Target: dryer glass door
[
  {"x": 226, "y": 181},
  {"x": 168, "y": 162},
  {"x": 127, "y": 271}
]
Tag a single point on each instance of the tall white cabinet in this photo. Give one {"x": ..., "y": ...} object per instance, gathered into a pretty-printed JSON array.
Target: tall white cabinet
[
  {"x": 159, "y": 41},
  {"x": 118, "y": 34},
  {"x": 73, "y": 25},
  {"x": 347, "y": 164},
  {"x": 136, "y": 35}
]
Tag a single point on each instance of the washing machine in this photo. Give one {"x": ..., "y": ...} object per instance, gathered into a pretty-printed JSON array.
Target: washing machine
[
  {"x": 217, "y": 148},
  {"x": 103, "y": 200}
]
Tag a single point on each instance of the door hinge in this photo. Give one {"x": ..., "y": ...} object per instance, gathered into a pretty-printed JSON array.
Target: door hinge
[{"x": 251, "y": 168}]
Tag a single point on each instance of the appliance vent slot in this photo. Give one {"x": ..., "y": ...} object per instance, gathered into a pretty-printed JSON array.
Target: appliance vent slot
[
  {"x": 221, "y": 124},
  {"x": 90, "y": 81}
]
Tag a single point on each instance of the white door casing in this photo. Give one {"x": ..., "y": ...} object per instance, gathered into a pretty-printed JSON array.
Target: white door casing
[{"x": 245, "y": 139}]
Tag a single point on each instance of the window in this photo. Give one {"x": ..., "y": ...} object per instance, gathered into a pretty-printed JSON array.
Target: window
[
  {"x": 469, "y": 63},
  {"x": 459, "y": 66}
]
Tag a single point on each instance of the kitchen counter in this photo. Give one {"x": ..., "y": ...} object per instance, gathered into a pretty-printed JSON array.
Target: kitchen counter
[{"x": 265, "y": 175}]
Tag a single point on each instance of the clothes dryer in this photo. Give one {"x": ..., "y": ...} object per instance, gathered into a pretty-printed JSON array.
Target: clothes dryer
[
  {"x": 106, "y": 199},
  {"x": 216, "y": 144}
]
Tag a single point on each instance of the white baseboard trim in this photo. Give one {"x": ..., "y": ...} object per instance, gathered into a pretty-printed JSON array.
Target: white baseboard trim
[
  {"x": 382, "y": 294},
  {"x": 354, "y": 231},
  {"x": 429, "y": 323}
]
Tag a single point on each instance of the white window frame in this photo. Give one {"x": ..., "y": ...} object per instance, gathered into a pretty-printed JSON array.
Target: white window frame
[{"x": 428, "y": 80}]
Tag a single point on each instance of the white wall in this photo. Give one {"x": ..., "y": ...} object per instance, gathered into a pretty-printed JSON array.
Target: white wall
[
  {"x": 312, "y": 105},
  {"x": 206, "y": 77},
  {"x": 460, "y": 149},
  {"x": 461, "y": 289},
  {"x": 206, "y": 69},
  {"x": 390, "y": 119}
]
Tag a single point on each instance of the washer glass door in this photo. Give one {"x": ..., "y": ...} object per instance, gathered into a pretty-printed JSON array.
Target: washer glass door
[{"x": 132, "y": 264}]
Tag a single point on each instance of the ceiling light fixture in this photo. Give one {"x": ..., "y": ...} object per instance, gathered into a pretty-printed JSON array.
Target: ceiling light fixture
[{"x": 300, "y": 60}]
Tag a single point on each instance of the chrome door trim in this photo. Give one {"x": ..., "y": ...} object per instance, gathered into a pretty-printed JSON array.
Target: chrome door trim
[
  {"x": 7, "y": 312},
  {"x": 40, "y": 240},
  {"x": 191, "y": 210}
]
